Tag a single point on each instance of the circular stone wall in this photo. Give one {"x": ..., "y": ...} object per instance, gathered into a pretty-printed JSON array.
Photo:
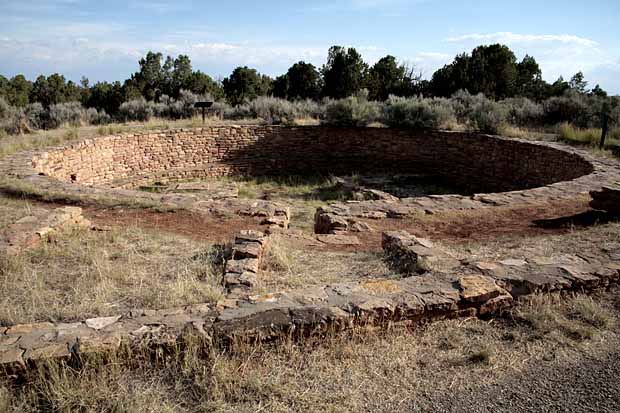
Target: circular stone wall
[{"x": 481, "y": 163}]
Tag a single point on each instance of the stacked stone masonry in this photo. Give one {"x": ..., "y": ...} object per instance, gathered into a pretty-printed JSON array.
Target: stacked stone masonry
[
  {"x": 503, "y": 171},
  {"x": 242, "y": 270}
]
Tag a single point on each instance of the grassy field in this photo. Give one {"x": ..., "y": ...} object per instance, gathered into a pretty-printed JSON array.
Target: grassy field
[{"x": 85, "y": 273}]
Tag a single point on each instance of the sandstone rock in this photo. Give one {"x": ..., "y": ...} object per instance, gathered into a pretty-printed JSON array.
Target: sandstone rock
[
  {"x": 247, "y": 250},
  {"x": 409, "y": 254},
  {"x": 513, "y": 262},
  {"x": 11, "y": 356},
  {"x": 50, "y": 351},
  {"x": 242, "y": 265},
  {"x": 101, "y": 322},
  {"x": 357, "y": 226},
  {"x": 477, "y": 289},
  {"x": 497, "y": 304},
  {"x": 326, "y": 223}
]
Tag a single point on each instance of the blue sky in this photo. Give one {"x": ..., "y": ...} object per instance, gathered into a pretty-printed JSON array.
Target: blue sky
[{"x": 103, "y": 40}]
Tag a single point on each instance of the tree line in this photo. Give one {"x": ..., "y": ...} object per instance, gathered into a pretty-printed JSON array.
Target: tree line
[{"x": 491, "y": 70}]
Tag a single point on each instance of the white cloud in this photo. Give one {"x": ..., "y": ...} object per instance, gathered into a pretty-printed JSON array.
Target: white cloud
[{"x": 514, "y": 38}]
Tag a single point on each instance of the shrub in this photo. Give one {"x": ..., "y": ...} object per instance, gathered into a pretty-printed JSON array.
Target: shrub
[
  {"x": 59, "y": 114},
  {"x": 272, "y": 110},
  {"x": 352, "y": 111},
  {"x": 13, "y": 121},
  {"x": 4, "y": 109},
  {"x": 97, "y": 117},
  {"x": 487, "y": 116},
  {"x": 36, "y": 116},
  {"x": 523, "y": 112},
  {"x": 416, "y": 113},
  {"x": 136, "y": 110},
  {"x": 463, "y": 104},
  {"x": 569, "y": 108}
]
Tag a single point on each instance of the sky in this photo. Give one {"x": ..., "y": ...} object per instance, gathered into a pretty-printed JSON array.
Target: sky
[{"x": 104, "y": 39}]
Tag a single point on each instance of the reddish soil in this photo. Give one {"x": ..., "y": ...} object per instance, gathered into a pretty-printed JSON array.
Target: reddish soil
[
  {"x": 483, "y": 225},
  {"x": 451, "y": 227},
  {"x": 203, "y": 227}
]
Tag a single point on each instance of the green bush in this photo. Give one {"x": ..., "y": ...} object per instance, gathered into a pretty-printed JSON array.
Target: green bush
[
  {"x": 71, "y": 113},
  {"x": 487, "y": 116},
  {"x": 136, "y": 110},
  {"x": 523, "y": 112},
  {"x": 417, "y": 113},
  {"x": 569, "y": 108},
  {"x": 352, "y": 111}
]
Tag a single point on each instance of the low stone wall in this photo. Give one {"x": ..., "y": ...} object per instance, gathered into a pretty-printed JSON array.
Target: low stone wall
[
  {"x": 472, "y": 289},
  {"x": 481, "y": 163},
  {"x": 105, "y": 167}
]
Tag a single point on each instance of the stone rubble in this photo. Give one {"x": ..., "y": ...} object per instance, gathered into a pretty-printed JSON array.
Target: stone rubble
[{"x": 31, "y": 230}]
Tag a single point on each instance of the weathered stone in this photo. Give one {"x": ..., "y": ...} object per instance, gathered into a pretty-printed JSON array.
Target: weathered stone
[
  {"x": 241, "y": 266},
  {"x": 477, "y": 289},
  {"x": 247, "y": 250},
  {"x": 513, "y": 262},
  {"x": 381, "y": 286},
  {"x": 327, "y": 223},
  {"x": 100, "y": 343},
  {"x": 101, "y": 322},
  {"x": 49, "y": 351},
  {"x": 358, "y": 226},
  {"x": 24, "y": 329},
  {"x": 11, "y": 356},
  {"x": 496, "y": 304},
  {"x": 409, "y": 254}
]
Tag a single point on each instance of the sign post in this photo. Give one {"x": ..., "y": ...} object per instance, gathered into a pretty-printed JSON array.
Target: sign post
[{"x": 204, "y": 106}]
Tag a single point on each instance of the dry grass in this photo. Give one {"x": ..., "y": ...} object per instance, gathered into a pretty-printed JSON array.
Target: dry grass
[
  {"x": 84, "y": 274},
  {"x": 591, "y": 136},
  {"x": 361, "y": 370},
  {"x": 289, "y": 265}
]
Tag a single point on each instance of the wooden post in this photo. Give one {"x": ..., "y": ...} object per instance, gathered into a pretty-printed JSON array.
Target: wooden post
[
  {"x": 203, "y": 106},
  {"x": 605, "y": 127}
]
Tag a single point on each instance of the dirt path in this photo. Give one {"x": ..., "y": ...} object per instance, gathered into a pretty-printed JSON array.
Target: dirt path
[{"x": 590, "y": 385}]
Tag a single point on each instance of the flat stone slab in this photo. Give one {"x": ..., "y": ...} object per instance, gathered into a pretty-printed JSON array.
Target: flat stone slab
[
  {"x": 477, "y": 289},
  {"x": 409, "y": 254}
]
